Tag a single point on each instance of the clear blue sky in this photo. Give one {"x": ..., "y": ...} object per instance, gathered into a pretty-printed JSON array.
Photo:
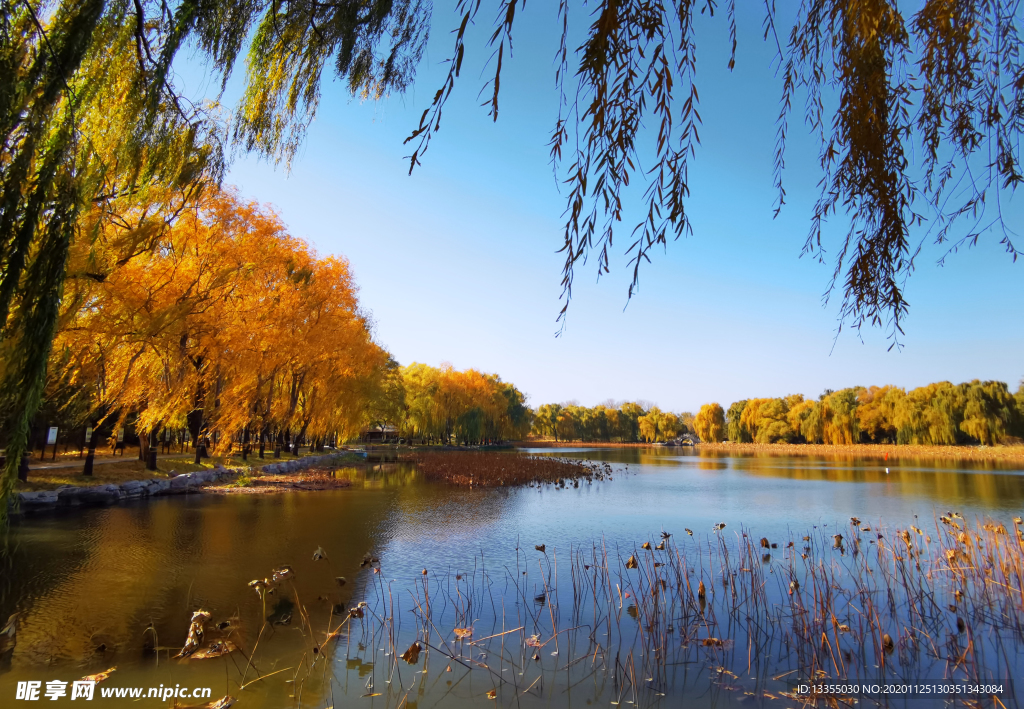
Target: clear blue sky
[{"x": 458, "y": 262}]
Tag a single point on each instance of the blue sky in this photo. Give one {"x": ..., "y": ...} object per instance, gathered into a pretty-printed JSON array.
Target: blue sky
[{"x": 458, "y": 262}]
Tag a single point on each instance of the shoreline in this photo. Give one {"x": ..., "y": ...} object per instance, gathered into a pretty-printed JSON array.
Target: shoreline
[
  {"x": 875, "y": 451},
  {"x": 312, "y": 480},
  {"x": 1014, "y": 454},
  {"x": 101, "y": 495}
]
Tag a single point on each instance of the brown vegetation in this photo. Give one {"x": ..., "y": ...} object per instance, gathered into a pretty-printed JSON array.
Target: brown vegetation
[
  {"x": 492, "y": 469},
  {"x": 863, "y": 450},
  {"x": 549, "y": 443},
  {"x": 753, "y": 616},
  {"x": 1013, "y": 453}
]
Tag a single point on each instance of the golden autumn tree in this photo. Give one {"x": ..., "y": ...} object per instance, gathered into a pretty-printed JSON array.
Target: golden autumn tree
[
  {"x": 751, "y": 419},
  {"x": 876, "y": 412},
  {"x": 651, "y": 424},
  {"x": 386, "y": 405},
  {"x": 710, "y": 423},
  {"x": 140, "y": 326},
  {"x": 228, "y": 327},
  {"x": 989, "y": 412},
  {"x": 839, "y": 417},
  {"x": 447, "y": 405}
]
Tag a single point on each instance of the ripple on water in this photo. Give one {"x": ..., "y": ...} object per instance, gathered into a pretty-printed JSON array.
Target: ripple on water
[{"x": 103, "y": 575}]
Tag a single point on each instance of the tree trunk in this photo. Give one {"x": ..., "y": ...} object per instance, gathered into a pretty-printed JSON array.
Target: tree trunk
[
  {"x": 87, "y": 470},
  {"x": 194, "y": 419},
  {"x": 195, "y": 427},
  {"x": 153, "y": 447},
  {"x": 302, "y": 437}
]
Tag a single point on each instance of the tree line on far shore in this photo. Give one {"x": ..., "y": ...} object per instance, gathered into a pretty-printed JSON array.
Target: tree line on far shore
[
  {"x": 444, "y": 405},
  {"x": 942, "y": 413},
  {"x": 625, "y": 422}
]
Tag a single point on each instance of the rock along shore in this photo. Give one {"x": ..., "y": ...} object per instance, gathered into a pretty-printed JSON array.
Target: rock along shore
[{"x": 69, "y": 496}]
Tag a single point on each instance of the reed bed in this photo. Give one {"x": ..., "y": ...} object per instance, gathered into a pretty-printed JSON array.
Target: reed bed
[
  {"x": 494, "y": 469},
  {"x": 1008, "y": 454},
  {"x": 689, "y": 617}
]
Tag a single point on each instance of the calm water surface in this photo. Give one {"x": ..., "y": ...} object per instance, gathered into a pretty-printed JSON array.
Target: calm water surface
[{"x": 100, "y": 588}]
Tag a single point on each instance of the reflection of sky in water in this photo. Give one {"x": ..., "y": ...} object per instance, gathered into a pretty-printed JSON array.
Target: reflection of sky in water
[
  {"x": 656, "y": 490},
  {"x": 102, "y": 575}
]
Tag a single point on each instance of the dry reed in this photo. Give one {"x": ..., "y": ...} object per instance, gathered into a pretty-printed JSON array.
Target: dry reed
[
  {"x": 495, "y": 469},
  {"x": 722, "y": 613}
]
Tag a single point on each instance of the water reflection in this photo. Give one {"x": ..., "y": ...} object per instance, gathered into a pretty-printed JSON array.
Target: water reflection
[
  {"x": 981, "y": 485},
  {"x": 89, "y": 584}
]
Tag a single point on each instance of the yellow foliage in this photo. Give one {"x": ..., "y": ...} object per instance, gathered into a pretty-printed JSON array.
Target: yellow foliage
[
  {"x": 229, "y": 320},
  {"x": 468, "y": 406},
  {"x": 710, "y": 423}
]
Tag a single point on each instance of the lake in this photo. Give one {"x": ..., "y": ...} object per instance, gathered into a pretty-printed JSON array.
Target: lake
[{"x": 574, "y": 625}]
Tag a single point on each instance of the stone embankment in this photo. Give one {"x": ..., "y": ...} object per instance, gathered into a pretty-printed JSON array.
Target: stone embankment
[{"x": 97, "y": 495}]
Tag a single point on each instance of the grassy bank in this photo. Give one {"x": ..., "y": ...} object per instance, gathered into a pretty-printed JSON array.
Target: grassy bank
[
  {"x": 864, "y": 450},
  {"x": 893, "y": 452},
  {"x": 130, "y": 468}
]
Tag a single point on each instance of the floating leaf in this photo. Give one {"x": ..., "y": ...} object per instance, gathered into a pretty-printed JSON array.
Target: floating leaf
[
  {"x": 223, "y": 703},
  {"x": 218, "y": 648},
  {"x": 412, "y": 655},
  {"x": 100, "y": 676},
  {"x": 195, "y": 633}
]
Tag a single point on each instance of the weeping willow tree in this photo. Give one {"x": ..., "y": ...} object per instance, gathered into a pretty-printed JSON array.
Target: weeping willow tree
[
  {"x": 92, "y": 128},
  {"x": 918, "y": 119},
  {"x": 81, "y": 127}
]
